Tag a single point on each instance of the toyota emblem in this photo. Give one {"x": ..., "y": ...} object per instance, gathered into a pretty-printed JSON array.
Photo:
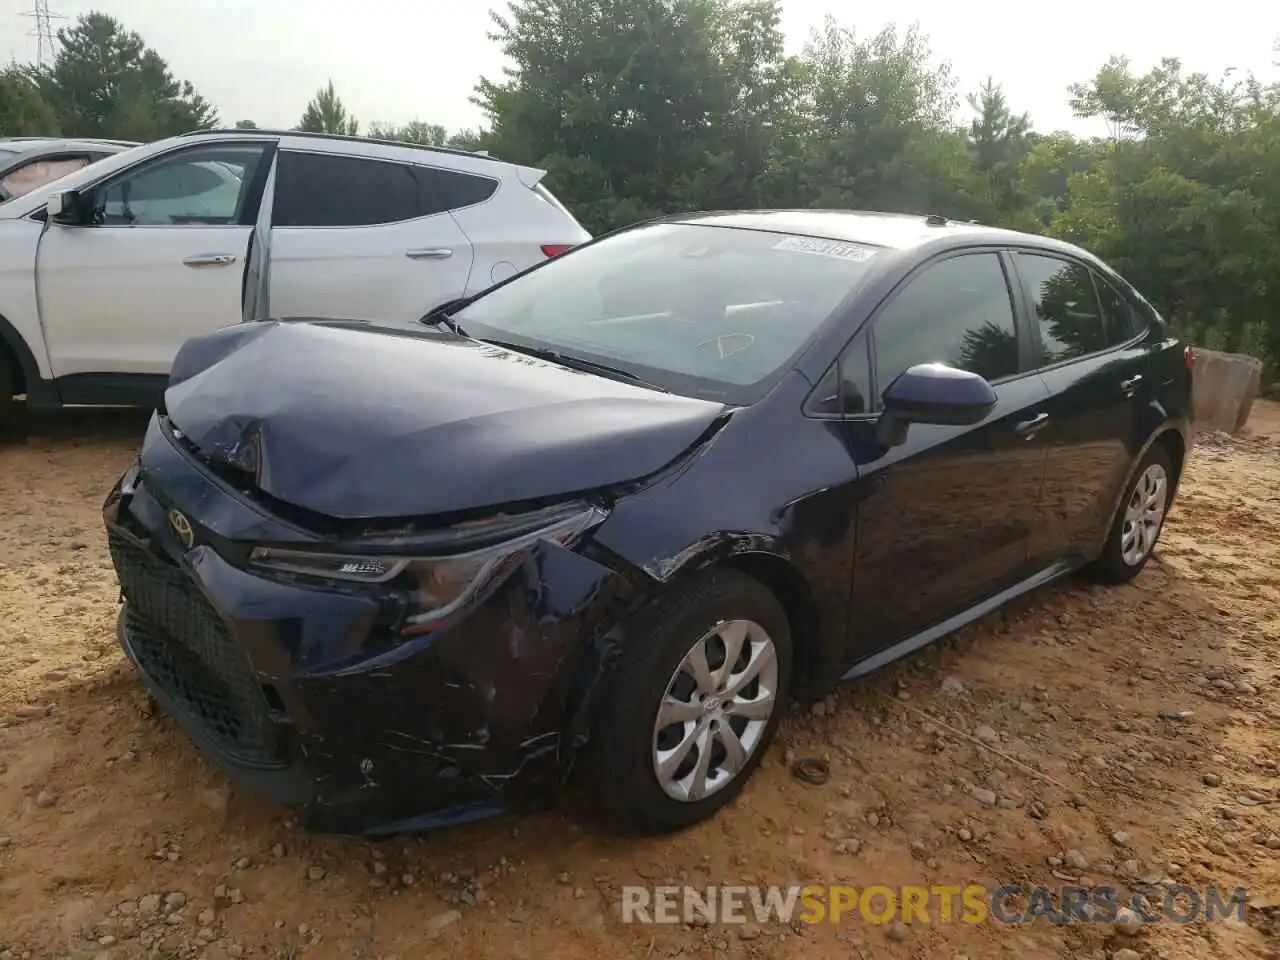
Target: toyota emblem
[{"x": 182, "y": 527}]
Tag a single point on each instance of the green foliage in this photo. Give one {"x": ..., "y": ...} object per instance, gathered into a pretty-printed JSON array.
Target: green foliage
[
  {"x": 326, "y": 114},
  {"x": 23, "y": 111},
  {"x": 105, "y": 82}
]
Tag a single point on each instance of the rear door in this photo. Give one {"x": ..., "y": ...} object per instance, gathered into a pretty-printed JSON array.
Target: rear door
[
  {"x": 360, "y": 238},
  {"x": 163, "y": 260},
  {"x": 1092, "y": 353}
]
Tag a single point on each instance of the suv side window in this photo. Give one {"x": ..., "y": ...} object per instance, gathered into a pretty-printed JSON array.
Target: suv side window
[
  {"x": 1066, "y": 307},
  {"x": 330, "y": 190},
  {"x": 452, "y": 190},
  {"x": 958, "y": 312},
  {"x": 205, "y": 186},
  {"x": 1120, "y": 321},
  {"x": 846, "y": 386}
]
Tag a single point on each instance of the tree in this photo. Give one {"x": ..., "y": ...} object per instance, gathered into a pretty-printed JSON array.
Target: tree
[
  {"x": 105, "y": 82},
  {"x": 326, "y": 114},
  {"x": 246, "y": 125},
  {"x": 624, "y": 102},
  {"x": 428, "y": 134},
  {"x": 1000, "y": 141},
  {"x": 23, "y": 111}
]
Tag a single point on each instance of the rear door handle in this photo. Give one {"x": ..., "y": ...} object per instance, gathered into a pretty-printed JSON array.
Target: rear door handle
[
  {"x": 1130, "y": 385},
  {"x": 1029, "y": 428},
  {"x": 432, "y": 253},
  {"x": 210, "y": 260}
]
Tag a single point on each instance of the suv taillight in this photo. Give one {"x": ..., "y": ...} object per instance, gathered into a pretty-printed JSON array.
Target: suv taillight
[
  {"x": 1190, "y": 356},
  {"x": 555, "y": 249}
]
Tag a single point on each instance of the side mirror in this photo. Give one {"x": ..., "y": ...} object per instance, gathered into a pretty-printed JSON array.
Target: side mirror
[
  {"x": 933, "y": 393},
  {"x": 66, "y": 208}
]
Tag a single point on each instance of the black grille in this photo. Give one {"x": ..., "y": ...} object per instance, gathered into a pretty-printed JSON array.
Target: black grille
[{"x": 182, "y": 644}]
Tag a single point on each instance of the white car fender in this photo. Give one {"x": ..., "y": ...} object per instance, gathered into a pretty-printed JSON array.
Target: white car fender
[{"x": 19, "y": 305}]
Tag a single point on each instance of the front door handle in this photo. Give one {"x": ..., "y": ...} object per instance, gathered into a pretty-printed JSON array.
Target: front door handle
[
  {"x": 1029, "y": 428},
  {"x": 432, "y": 253},
  {"x": 1130, "y": 385},
  {"x": 210, "y": 260}
]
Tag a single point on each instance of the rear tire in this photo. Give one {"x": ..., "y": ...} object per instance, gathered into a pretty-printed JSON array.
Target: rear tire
[
  {"x": 654, "y": 778},
  {"x": 1138, "y": 522}
]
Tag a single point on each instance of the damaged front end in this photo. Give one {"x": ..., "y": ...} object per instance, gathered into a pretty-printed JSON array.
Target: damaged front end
[{"x": 380, "y": 680}]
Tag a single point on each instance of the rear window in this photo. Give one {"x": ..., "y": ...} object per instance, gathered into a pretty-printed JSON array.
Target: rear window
[{"x": 703, "y": 310}]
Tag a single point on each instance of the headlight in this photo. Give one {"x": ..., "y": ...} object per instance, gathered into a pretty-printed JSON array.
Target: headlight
[{"x": 439, "y": 585}]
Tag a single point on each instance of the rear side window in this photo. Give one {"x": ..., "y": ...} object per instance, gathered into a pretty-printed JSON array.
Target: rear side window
[
  {"x": 1066, "y": 307},
  {"x": 1120, "y": 322},
  {"x": 327, "y": 190},
  {"x": 451, "y": 190},
  {"x": 958, "y": 312}
]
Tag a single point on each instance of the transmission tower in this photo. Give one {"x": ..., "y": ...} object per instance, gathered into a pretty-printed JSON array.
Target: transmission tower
[{"x": 46, "y": 49}]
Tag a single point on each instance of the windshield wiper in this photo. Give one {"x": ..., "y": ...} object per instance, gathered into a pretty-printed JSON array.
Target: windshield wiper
[
  {"x": 577, "y": 363},
  {"x": 442, "y": 315}
]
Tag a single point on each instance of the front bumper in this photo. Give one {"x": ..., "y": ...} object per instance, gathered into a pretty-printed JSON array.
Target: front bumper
[{"x": 299, "y": 691}]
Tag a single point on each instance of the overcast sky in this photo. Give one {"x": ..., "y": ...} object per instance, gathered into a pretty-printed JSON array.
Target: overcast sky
[{"x": 400, "y": 60}]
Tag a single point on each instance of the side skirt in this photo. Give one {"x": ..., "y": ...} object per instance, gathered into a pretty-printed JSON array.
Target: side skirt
[{"x": 952, "y": 624}]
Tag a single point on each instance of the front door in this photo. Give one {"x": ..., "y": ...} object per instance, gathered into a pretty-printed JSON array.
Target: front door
[
  {"x": 358, "y": 238},
  {"x": 161, "y": 260},
  {"x": 1094, "y": 361},
  {"x": 945, "y": 518}
]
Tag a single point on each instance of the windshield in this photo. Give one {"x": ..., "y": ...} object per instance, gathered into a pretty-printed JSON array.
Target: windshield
[{"x": 707, "y": 311}]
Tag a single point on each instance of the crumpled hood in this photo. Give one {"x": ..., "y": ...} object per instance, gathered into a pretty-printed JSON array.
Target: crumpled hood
[{"x": 357, "y": 422}]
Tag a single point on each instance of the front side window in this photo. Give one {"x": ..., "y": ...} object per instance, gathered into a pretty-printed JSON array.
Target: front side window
[
  {"x": 958, "y": 312},
  {"x": 207, "y": 186},
  {"x": 1065, "y": 305},
  {"x": 332, "y": 190},
  {"x": 703, "y": 310}
]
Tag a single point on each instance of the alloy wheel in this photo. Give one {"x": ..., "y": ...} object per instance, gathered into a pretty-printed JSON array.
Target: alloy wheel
[{"x": 1144, "y": 514}]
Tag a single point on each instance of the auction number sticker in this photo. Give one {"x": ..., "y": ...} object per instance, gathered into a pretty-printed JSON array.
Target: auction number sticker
[{"x": 826, "y": 248}]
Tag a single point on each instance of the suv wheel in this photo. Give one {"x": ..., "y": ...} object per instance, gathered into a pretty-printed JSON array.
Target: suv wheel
[
  {"x": 695, "y": 702},
  {"x": 1139, "y": 520}
]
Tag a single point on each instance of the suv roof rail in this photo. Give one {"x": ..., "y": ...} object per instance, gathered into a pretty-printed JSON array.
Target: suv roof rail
[{"x": 347, "y": 138}]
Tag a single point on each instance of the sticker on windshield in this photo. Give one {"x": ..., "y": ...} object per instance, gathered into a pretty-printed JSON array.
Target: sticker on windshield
[{"x": 826, "y": 248}]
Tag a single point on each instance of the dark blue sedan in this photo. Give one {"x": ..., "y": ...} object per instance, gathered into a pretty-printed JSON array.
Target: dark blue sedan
[{"x": 603, "y": 521}]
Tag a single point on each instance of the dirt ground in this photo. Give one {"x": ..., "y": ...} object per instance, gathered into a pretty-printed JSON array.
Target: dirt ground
[{"x": 117, "y": 841}]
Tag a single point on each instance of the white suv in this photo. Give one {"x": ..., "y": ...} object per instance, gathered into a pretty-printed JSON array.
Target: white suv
[{"x": 104, "y": 273}]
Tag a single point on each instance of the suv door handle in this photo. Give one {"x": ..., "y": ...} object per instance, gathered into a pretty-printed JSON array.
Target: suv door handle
[
  {"x": 210, "y": 260},
  {"x": 1029, "y": 428},
  {"x": 434, "y": 253},
  {"x": 1130, "y": 385}
]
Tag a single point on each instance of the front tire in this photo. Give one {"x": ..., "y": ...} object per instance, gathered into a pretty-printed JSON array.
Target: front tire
[
  {"x": 694, "y": 704},
  {"x": 1139, "y": 521}
]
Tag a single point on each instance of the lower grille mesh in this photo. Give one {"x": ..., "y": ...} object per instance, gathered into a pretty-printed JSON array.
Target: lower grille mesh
[{"x": 182, "y": 644}]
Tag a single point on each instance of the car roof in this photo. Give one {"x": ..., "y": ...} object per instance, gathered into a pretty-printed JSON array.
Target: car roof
[
  {"x": 250, "y": 132},
  {"x": 60, "y": 142},
  {"x": 899, "y": 231}
]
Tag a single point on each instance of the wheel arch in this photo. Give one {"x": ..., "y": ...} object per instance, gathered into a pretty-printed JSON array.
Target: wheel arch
[
  {"x": 14, "y": 350},
  {"x": 770, "y": 565}
]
